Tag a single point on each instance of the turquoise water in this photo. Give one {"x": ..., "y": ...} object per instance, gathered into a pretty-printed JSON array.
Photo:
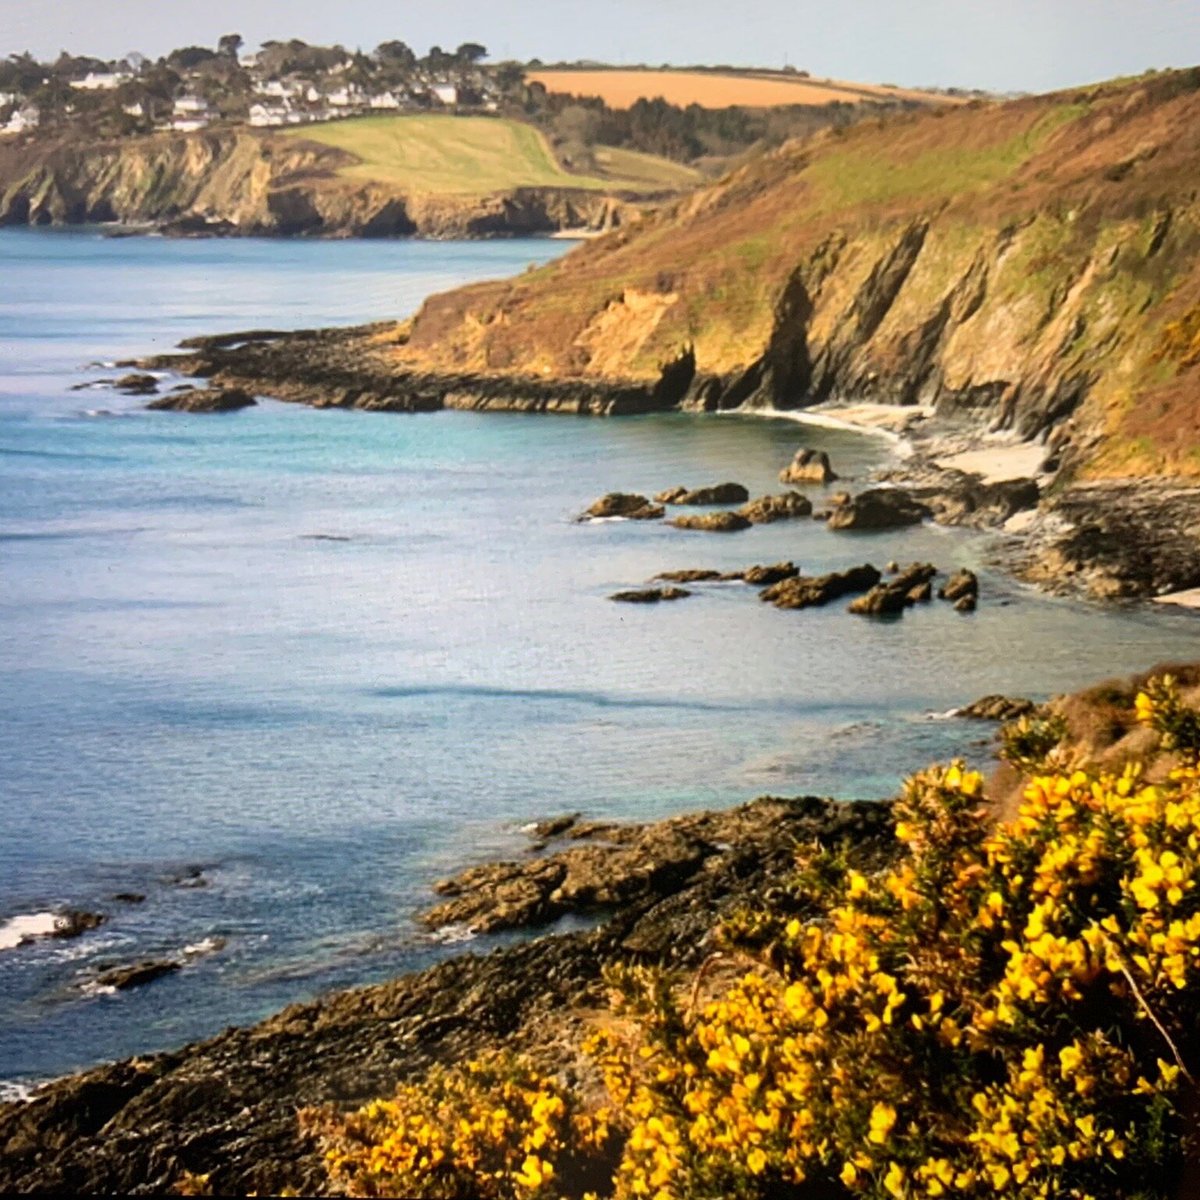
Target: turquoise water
[{"x": 327, "y": 657}]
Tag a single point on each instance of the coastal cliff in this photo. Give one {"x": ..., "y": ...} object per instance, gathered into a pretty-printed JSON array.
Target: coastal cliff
[
  {"x": 1030, "y": 267},
  {"x": 1024, "y": 274},
  {"x": 238, "y": 181}
]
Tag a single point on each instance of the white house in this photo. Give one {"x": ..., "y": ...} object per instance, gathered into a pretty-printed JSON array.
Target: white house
[
  {"x": 266, "y": 116},
  {"x": 23, "y": 119},
  {"x": 344, "y": 97},
  {"x": 446, "y": 93},
  {"x": 189, "y": 124},
  {"x": 384, "y": 100},
  {"x": 7, "y": 98},
  {"x": 186, "y": 106},
  {"x": 101, "y": 81}
]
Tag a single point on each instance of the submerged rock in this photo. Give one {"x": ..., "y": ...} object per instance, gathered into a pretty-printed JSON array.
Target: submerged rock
[
  {"x": 650, "y": 595},
  {"x": 806, "y": 591},
  {"x": 714, "y": 522},
  {"x": 73, "y": 922},
  {"x": 691, "y": 575},
  {"x": 136, "y": 974},
  {"x": 877, "y": 508},
  {"x": 719, "y": 493},
  {"x": 767, "y": 509},
  {"x": 966, "y": 604},
  {"x": 204, "y": 400},
  {"x": 809, "y": 466},
  {"x": 623, "y": 504}
]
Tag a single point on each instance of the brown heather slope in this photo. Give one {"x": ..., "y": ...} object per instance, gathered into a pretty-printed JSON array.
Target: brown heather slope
[{"x": 1031, "y": 266}]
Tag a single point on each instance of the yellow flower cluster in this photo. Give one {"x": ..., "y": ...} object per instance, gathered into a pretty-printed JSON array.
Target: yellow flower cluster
[
  {"x": 493, "y": 1128},
  {"x": 1004, "y": 1010}
]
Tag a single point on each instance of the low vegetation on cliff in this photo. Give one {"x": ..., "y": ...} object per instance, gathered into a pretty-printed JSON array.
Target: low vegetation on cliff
[
  {"x": 1007, "y": 1008},
  {"x": 1033, "y": 265}
]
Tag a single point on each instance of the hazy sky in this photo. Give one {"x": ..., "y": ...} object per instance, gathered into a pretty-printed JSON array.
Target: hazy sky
[{"x": 1031, "y": 45}]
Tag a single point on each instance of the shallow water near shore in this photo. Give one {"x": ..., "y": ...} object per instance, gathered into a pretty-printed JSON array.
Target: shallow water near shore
[{"x": 275, "y": 672}]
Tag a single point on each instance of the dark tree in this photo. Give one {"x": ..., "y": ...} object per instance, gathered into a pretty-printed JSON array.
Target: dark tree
[
  {"x": 470, "y": 52},
  {"x": 397, "y": 54},
  {"x": 187, "y": 58},
  {"x": 229, "y": 45}
]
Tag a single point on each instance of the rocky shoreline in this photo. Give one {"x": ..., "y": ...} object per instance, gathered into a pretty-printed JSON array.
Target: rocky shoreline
[
  {"x": 226, "y": 1107},
  {"x": 1104, "y": 539}
]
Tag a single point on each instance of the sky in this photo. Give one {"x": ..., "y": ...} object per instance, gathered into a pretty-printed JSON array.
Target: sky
[{"x": 1000, "y": 45}]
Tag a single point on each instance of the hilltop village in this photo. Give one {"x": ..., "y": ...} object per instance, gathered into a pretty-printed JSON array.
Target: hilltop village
[{"x": 283, "y": 83}]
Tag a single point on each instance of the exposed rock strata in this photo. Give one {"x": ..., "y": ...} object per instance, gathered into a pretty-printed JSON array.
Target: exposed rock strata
[
  {"x": 243, "y": 182},
  {"x": 204, "y": 400}
]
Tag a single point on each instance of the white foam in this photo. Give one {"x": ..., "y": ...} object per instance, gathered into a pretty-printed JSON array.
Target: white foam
[
  {"x": 24, "y": 927},
  {"x": 208, "y": 945},
  {"x": 452, "y": 935},
  {"x": 13, "y": 1091}
]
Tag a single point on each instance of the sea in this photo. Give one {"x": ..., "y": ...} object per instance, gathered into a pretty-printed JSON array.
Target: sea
[{"x": 266, "y": 676}]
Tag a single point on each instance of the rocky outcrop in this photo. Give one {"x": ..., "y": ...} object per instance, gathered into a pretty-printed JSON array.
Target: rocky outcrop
[
  {"x": 996, "y": 708},
  {"x": 768, "y": 509},
  {"x": 963, "y": 584},
  {"x": 226, "y": 1107},
  {"x": 909, "y": 587},
  {"x": 713, "y": 522},
  {"x": 252, "y": 183},
  {"x": 808, "y": 591},
  {"x": 622, "y": 504},
  {"x": 878, "y": 508},
  {"x": 718, "y": 493},
  {"x": 204, "y": 400},
  {"x": 808, "y": 466}
]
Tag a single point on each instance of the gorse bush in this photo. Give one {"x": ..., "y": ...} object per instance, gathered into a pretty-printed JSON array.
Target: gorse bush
[{"x": 1006, "y": 1009}]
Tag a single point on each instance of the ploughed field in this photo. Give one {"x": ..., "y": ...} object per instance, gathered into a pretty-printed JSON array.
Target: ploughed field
[{"x": 716, "y": 89}]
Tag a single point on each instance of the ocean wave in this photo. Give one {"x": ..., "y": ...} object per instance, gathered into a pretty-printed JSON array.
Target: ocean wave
[
  {"x": 14, "y": 1091},
  {"x": 25, "y": 928},
  {"x": 453, "y": 935},
  {"x": 565, "y": 696},
  {"x": 207, "y": 945}
]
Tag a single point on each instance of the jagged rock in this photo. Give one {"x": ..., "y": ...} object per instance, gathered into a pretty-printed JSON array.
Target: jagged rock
[
  {"x": 878, "y": 508},
  {"x": 805, "y": 591},
  {"x": 714, "y": 522},
  {"x": 137, "y": 974},
  {"x": 650, "y": 595},
  {"x": 883, "y": 600},
  {"x": 719, "y": 493},
  {"x": 809, "y": 466},
  {"x": 72, "y": 922},
  {"x": 766, "y": 509},
  {"x": 773, "y": 573},
  {"x": 130, "y": 897},
  {"x": 136, "y": 385},
  {"x": 966, "y": 604},
  {"x": 690, "y": 575},
  {"x": 997, "y": 708},
  {"x": 961, "y": 584},
  {"x": 204, "y": 400},
  {"x": 892, "y": 567},
  {"x": 552, "y": 827},
  {"x": 922, "y": 593},
  {"x": 624, "y": 504},
  {"x": 671, "y": 495}
]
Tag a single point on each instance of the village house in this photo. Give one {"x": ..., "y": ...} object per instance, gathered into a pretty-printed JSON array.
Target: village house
[
  {"x": 101, "y": 81},
  {"x": 23, "y": 120},
  {"x": 446, "y": 93}
]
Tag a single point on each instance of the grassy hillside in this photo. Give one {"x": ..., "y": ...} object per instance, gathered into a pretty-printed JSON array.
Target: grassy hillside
[
  {"x": 717, "y": 89},
  {"x": 1034, "y": 264},
  {"x": 447, "y": 155}
]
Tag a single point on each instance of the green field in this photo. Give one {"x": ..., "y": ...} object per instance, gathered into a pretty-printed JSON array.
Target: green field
[{"x": 448, "y": 155}]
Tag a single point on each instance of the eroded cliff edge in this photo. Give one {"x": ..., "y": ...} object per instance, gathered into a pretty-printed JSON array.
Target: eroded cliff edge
[{"x": 244, "y": 182}]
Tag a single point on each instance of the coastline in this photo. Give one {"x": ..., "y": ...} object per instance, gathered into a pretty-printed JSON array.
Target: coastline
[{"x": 1114, "y": 539}]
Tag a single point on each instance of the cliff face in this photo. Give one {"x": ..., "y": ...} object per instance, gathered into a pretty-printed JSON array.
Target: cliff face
[
  {"x": 241, "y": 182},
  {"x": 1032, "y": 266}
]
